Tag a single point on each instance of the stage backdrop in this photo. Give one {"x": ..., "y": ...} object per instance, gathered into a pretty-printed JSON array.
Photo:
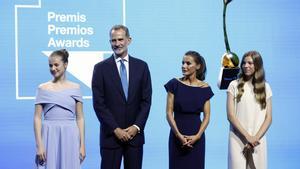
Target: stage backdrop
[{"x": 162, "y": 31}]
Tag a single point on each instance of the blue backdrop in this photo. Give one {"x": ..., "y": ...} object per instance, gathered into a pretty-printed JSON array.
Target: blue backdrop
[{"x": 162, "y": 30}]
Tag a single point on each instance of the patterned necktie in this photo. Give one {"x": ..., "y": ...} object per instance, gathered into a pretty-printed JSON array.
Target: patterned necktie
[{"x": 123, "y": 75}]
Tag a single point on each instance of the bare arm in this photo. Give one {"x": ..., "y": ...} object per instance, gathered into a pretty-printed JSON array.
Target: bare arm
[
  {"x": 80, "y": 124},
  {"x": 37, "y": 123},
  {"x": 235, "y": 123},
  {"x": 267, "y": 122},
  {"x": 193, "y": 138},
  {"x": 170, "y": 119},
  {"x": 206, "y": 118}
]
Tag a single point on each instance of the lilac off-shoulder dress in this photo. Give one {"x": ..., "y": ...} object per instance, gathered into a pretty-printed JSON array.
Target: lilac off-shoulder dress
[{"x": 60, "y": 132}]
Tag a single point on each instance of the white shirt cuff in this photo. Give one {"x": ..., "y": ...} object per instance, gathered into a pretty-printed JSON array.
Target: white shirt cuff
[{"x": 137, "y": 127}]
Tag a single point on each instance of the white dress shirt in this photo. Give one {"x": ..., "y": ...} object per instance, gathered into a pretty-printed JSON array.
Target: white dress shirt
[{"x": 126, "y": 63}]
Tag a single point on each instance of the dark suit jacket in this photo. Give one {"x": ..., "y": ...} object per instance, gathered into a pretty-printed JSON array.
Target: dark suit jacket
[{"x": 110, "y": 104}]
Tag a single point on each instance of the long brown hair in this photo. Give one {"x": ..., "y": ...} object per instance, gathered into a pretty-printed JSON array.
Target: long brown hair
[{"x": 258, "y": 79}]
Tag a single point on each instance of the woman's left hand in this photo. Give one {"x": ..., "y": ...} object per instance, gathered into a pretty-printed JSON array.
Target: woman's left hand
[
  {"x": 192, "y": 139},
  {"x": 82, "y": 153},
  {"x": 253, "y": 140}
]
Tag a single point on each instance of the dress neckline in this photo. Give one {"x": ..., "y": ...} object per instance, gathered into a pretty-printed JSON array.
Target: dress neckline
[
  {"x": 57, "y": 91},
  {"x": 189, "y": 85}
]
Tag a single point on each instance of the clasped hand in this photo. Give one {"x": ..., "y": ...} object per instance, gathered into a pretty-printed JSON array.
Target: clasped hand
[
  {"x": 188, "y": 141},
  {"x": 127, "y": 134},
  {"x": 252, "y": 141}
]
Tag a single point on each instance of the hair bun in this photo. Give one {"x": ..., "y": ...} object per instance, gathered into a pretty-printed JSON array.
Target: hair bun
[{"x": 65, "y": 53}]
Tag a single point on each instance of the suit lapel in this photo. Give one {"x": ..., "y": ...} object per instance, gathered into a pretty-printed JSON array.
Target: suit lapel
[
  {"x": 131, "y": 77},
  {"x": 115, "y": 75}
]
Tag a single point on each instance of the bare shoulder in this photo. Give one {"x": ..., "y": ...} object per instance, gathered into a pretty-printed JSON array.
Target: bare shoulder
[
  {"x": 203, "y": 84},
  {"x": 72, "y": 85},
  {"x": 46, "y": 85}
]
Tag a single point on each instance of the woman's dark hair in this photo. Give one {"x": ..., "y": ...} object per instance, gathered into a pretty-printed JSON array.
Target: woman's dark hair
[
  {"x": 63, "y": 53},
  {"x": 200, "y": 74}
]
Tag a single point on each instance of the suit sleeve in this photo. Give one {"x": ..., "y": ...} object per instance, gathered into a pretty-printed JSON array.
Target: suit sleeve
[
  {"x": 146, "y": 99},
  {"x": 103, "y": 113}
]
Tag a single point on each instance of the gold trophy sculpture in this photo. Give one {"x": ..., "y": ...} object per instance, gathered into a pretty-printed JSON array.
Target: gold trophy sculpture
[{"x": 230, "y": 60}]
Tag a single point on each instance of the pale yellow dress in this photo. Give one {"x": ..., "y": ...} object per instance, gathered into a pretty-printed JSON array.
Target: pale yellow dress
[{"x": 251, "y": 117}]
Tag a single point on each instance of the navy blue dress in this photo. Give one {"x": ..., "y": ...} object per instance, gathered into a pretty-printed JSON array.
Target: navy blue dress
[{"x": 188, "y": 104}]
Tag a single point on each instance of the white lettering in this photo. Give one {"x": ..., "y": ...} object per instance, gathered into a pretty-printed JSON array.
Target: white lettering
[
  {"x": 68, "y": 43},
  {"x": 77, "y": 30},
  {"x": 51, "y": 43},
  {"x": 52, "y": 16},
  {"x": 51, "y": 28}
]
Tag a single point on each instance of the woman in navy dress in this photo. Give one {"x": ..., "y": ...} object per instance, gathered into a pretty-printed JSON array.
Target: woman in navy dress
[{"x": 187, "y": 98}]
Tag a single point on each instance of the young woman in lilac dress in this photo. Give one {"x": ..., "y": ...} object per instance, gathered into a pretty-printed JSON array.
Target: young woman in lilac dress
[
  {"x": 187, "y": 98},
  {"x": 60, "y": 135}
]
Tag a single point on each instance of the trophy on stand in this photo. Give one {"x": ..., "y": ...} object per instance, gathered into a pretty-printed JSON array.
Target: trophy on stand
[{"x": 230, "y": 61}]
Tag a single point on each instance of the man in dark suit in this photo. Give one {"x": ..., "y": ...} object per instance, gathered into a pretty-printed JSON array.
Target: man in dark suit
[{"x": 122, "y": 92}]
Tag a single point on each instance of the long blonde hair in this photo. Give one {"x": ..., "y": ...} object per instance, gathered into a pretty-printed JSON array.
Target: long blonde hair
[{"x": 258, "y": 79}]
